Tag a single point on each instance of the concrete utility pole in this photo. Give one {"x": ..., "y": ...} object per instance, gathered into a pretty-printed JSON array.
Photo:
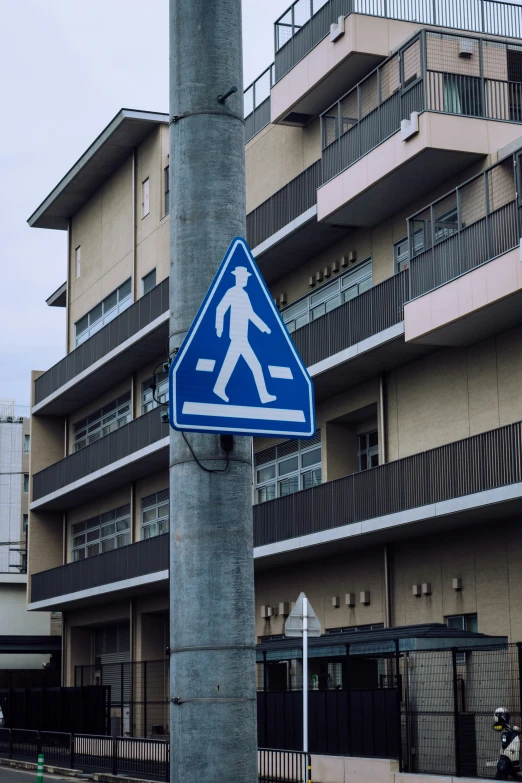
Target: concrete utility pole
[{"x": 212, "y": 675}]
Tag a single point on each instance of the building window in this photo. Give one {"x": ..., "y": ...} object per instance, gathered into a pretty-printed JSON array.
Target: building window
[
  {"x": 355, "y": 628},
  {"x": 463, "y": 95},
  {"x": 148, "y": 282},
  {"x": 103, "y": 421},
  {"x": 151, "y": 399},
  {"x": 287, "y": 468},
  {"x": 27, "y": 443},
  {"x": 145, "y": 198},
  {"x": 78, "y": 260},
  {"x": 155, "y": 514},
  {"x": 104, "y": 312},
  {"x": 328, "y": 297},
  {"x": 25, "y": 522},
  {"x": 167, "y": 189},
  {"x": 26, "y": 482},
  {"x": 401, "y": 255},
  {"x": 102, "y": 533},
  {"x": 446, "y": 224},
  {"x": 368, "y": 450},
  {"x": 463, "y": 622},
  {"x": 112, "y": 639}
]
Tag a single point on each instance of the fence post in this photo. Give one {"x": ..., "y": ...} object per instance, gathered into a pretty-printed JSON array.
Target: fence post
[
  {"x": 115, "y": 756},
  {"x": 71, "y": 752},
  {"x": 456, "y": 710},
  {"x": 398, "y": 690},
  {"x": 145, "y": 734},
  {"x": 519, "y": 655},
  {"x": 38, "y": 743},
  {"x": 167, "y": 761},
  {"x": 10, "y": 743},
  {"x": 121, "y": 700}
]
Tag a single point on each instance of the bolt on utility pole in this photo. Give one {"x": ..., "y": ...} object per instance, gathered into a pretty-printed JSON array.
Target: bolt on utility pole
[{"x": 213, "y": 733}]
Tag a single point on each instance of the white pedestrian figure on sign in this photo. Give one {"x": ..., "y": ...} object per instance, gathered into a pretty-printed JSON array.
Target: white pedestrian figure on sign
[{"x": 241, "y": 313}]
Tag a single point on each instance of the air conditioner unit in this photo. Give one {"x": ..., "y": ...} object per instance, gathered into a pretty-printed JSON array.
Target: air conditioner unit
[
  {"x": 466, "y": 47},
  {"x": 266, "y": 612}
]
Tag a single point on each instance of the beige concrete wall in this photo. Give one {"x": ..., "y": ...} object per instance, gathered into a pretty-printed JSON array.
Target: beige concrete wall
[
  {"x": 275, "y": 156},
  {"x": 454, "y": 393},
  {"x": 44, "y": 543},
  {"x": 321, "y": 580},
  {"x": 103, "y": 228}
]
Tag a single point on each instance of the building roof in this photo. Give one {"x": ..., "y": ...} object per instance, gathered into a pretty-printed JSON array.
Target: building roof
[
  {"x": 114, "y": 144},
  {"x": 429, "y": 636},
  {"x": 59, "y": 297}
]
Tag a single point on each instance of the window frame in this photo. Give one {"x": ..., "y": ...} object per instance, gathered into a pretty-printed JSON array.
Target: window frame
[
  {"x": 27, "y": 443},
  {"x": 117, "y": 411},
  {"x": 123, "y": 300},
  {"x": 145, "y": 197},
  {"x": 150, "y": 401},
  {"x": 87, "y": 527},
  {"x": 144, "y": 281},
  {"x": 26, "y": 482},
  {"x": 305, "y": 309},
  {"x": 155, "y": 500},
  {"x": 303, "y": 448},
  {"x": 368, "y": 451}
]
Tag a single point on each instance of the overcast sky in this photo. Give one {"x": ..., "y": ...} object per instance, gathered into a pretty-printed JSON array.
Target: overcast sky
[{"x": 67, "y": 67}]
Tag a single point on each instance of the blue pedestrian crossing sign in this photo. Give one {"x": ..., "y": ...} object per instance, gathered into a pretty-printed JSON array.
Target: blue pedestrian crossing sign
[{"x": 238, "y": 370}]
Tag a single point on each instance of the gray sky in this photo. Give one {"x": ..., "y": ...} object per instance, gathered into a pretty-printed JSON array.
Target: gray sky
[{"x": 67, "y": 67}]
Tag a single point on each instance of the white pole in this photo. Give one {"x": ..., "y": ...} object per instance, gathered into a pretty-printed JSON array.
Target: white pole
[{"x": 305, "y": 687}]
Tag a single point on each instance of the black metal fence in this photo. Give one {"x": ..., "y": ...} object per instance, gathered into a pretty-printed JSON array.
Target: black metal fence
[
  {"x": 139, "y": 433},
  {"x": 57, "y": 709},
  {"x": 140, "y": 559},
  {"x": 491, "y": 459},
  {"x": 125, "y": 325},
  {"x": 30, "y": 678},
  {"x": 307, "y": 22},
  {"x": 143, "y": 758}
]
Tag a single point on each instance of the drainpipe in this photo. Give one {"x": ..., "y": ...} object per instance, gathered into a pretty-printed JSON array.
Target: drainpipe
[
  {"x": 68, "y": 293},
  {"x": 134, "y": 270}
]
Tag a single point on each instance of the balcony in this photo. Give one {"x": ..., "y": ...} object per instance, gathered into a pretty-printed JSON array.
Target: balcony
[
  {"x": 128, "y": 342},
  {"x": 135, "y": 450},
  {"x": 307, "y": 22},
  {"x": 257, "y": 103},
  {"x": 128, "y": 571},
  {"x": 466, "y": 281},
  {"x": 428, "y": 112},
  {"x": 479, "y": 478}
]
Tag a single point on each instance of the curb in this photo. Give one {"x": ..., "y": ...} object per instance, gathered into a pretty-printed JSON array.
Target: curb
[
  {"x": 103, "y": 777},
  {"x": 51, "y": 770}
]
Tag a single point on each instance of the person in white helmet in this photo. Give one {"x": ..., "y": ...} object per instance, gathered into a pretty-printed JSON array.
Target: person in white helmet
[{"x": 241, "y": 313}]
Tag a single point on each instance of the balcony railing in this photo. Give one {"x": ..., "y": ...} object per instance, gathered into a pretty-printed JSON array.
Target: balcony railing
[
  {"x": 492, "y": 459},
  {"x": 427, "y": 73},
  {"x": 140, "y": 559},
  {"x": 124, "y": 326},
  {"x": 364, "y": 316},
  {"x": 466, "y": 228},
  {"x": 307, "y": 22},
  {"x": 284, "y": 206},
  {"x": 257, "y": 103},
  {"x": 139, "y": 433}
]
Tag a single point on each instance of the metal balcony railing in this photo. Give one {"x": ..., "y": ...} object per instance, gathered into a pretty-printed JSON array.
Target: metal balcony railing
[
  {"x": 139, "y": 559},
  {"x": 284, "y": 206},
  {"x": 257, "y": 103},
  {"x": 432, "y": 72},
  {"x": 307, "y": 22},
  {"x": 124, "y": 326},
  {"x": 139, "y": 433},
  {"x": 466, "y": 228},
  {"x": 482, "y": 462}
]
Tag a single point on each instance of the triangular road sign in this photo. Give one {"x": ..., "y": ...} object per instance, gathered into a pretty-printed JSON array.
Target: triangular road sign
[
  {"x": 294, "y": 621},
  {"x": 238, "y": 370}
]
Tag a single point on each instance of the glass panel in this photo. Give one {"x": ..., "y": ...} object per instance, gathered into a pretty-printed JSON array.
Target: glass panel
[
  {"x": 288, "y": 466},
  {"x": 150, "y": 515},
  {"x": 455, "y": 622},
  {"x": 82, "y": 325},
  {"x": 324, "y": 293},
  {"x": 365, "y": 285},
  {"x": 95, "y": 314},
  {"x": 373, "y": 438},
  {"x": 351, "y": 293},
  {"x": 124, "y": 290},
  {"x": 471, "y": 623},
  {"x": 301, "y": 321},
  {"x": 93, "y": 535},
  {"x": 311, "y": 458},
  {"x": 123, "y": 540},
  {"x": 266, "y": 493},
  {"x": 331, "y": 304},
  {"x": 110, "y": 302},
  {"x": 374, "y": 460},
  {"x": 318, "y": 311},
  {"x": 93, "y": 549},
  {"x": 288, "y": 486},
  {"x": 122, "y": 524},
  {"x": 312, "y": 478},
  {"x": 363, "y": 462},
  {"x": 108, "y": 530},
  {"x": 107, "y": 545},
  {"x": 78, "y": 541},
  {"x": 357, "y": 274},
  {"x": 265, "y": 474},
  {"x": 78, "y": 527},
  {"x": 163, "y": 511}
]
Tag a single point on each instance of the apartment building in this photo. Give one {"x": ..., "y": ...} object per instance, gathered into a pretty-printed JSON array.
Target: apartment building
[
  {"x": 383, "y": 208},
  {"x": 14, "y": 514}
]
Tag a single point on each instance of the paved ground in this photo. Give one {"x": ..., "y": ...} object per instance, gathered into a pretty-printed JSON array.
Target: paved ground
[{"x": 8, "y": 775}]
